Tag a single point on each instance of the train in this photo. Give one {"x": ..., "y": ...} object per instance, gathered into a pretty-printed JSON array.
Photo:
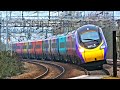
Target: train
[{"x": 85, "y": 46}]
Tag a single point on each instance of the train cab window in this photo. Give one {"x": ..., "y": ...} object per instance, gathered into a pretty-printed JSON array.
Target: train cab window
[
  {"x": 90, "y": 35},
  {"x": 62, "y": 45}
]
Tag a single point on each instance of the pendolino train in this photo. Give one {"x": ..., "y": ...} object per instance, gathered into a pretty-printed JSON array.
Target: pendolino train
[{"x": 84, "y": 46}]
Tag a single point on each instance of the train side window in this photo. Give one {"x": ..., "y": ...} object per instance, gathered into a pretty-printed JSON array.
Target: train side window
[
  {"x": 14, "y": 47},
  {"x": 30, "y": 46},
  {"x": 62, "y": 45},
  {"x": 24, "y": 47},
  {"x": 73, "y": 43},
  {"x": 54, "y": 45},
  {"x": 37, "y": 46},
  {"x": 68, "y": 44},
  {"x": 45, "y": 45},
  {"x": 18, "y": 47}
]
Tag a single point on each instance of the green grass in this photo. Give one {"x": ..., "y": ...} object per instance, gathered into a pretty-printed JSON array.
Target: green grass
[{"x": 10, "y": 65}]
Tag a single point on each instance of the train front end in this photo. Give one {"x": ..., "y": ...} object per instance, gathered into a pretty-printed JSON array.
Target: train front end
[{"x": 91, "y": 46}]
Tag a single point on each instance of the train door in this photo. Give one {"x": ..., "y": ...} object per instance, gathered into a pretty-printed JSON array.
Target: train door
[
  {"x": 14, "y": 47},
  {"x": 29, "y": 49},
  {"x": 71, "y": 48},
  {"x": 25, "y": 49},
  {"x": 18, "y": 48},
  {"x": 21, "y": 49},
  {"x": 33, "y": 50},
  {"x": 45, "y": 48},
  {"x": 54, "y": 49},
  {"x": 69, "y": 45},
  {"x": 38, "y": 49},
  {"x": 62, "y": 47},
  {"x": 49, "y": 49}
]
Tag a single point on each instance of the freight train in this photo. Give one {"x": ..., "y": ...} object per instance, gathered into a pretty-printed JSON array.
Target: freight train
[{"x": 85, "y": 46}]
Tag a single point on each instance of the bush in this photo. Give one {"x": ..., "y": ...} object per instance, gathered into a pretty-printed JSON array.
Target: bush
[{"x": 10, "y": 65}]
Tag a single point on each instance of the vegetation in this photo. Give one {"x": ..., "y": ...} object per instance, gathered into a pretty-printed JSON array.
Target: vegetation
[
  {"x": 110, "y": 77},
  {"x": 10, "y": 65}
]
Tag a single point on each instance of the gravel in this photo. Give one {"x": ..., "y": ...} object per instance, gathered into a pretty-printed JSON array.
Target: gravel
[
  {"x": 30, "y": 72},
  {"x": 33, "y": 71}
]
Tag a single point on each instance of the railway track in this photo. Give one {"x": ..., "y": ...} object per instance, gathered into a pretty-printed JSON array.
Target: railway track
[
  {"x": 93, "y": 74},
  {"x": 110, "y": 62},
  {"x": 99, "y": 72},
  {"x": 66, "y": 70},
  {"x": 60, "y": 73},
  {"x": 53, "y": 71},
  {"x": 45, "y": 70},
  {"x": 71, "y": 70},
  {"x": 109, "y": 67}
]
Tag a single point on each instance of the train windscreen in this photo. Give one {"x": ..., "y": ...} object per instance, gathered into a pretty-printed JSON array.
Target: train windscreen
[
  {"x": 90, "y": 39},
  {"x": 89, "y": 36}
]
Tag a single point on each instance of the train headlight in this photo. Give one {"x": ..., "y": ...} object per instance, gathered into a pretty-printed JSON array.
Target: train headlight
[
  {"x": 81, "y": 50},
  {"x": 102, "y": 47}
]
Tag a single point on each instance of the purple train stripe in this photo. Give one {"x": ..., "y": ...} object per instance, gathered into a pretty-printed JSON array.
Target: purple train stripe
[
  {"x": 105, "y": 52},
  {"x": 77, "y": 47},
  {"x": 104, "y": 42}
]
